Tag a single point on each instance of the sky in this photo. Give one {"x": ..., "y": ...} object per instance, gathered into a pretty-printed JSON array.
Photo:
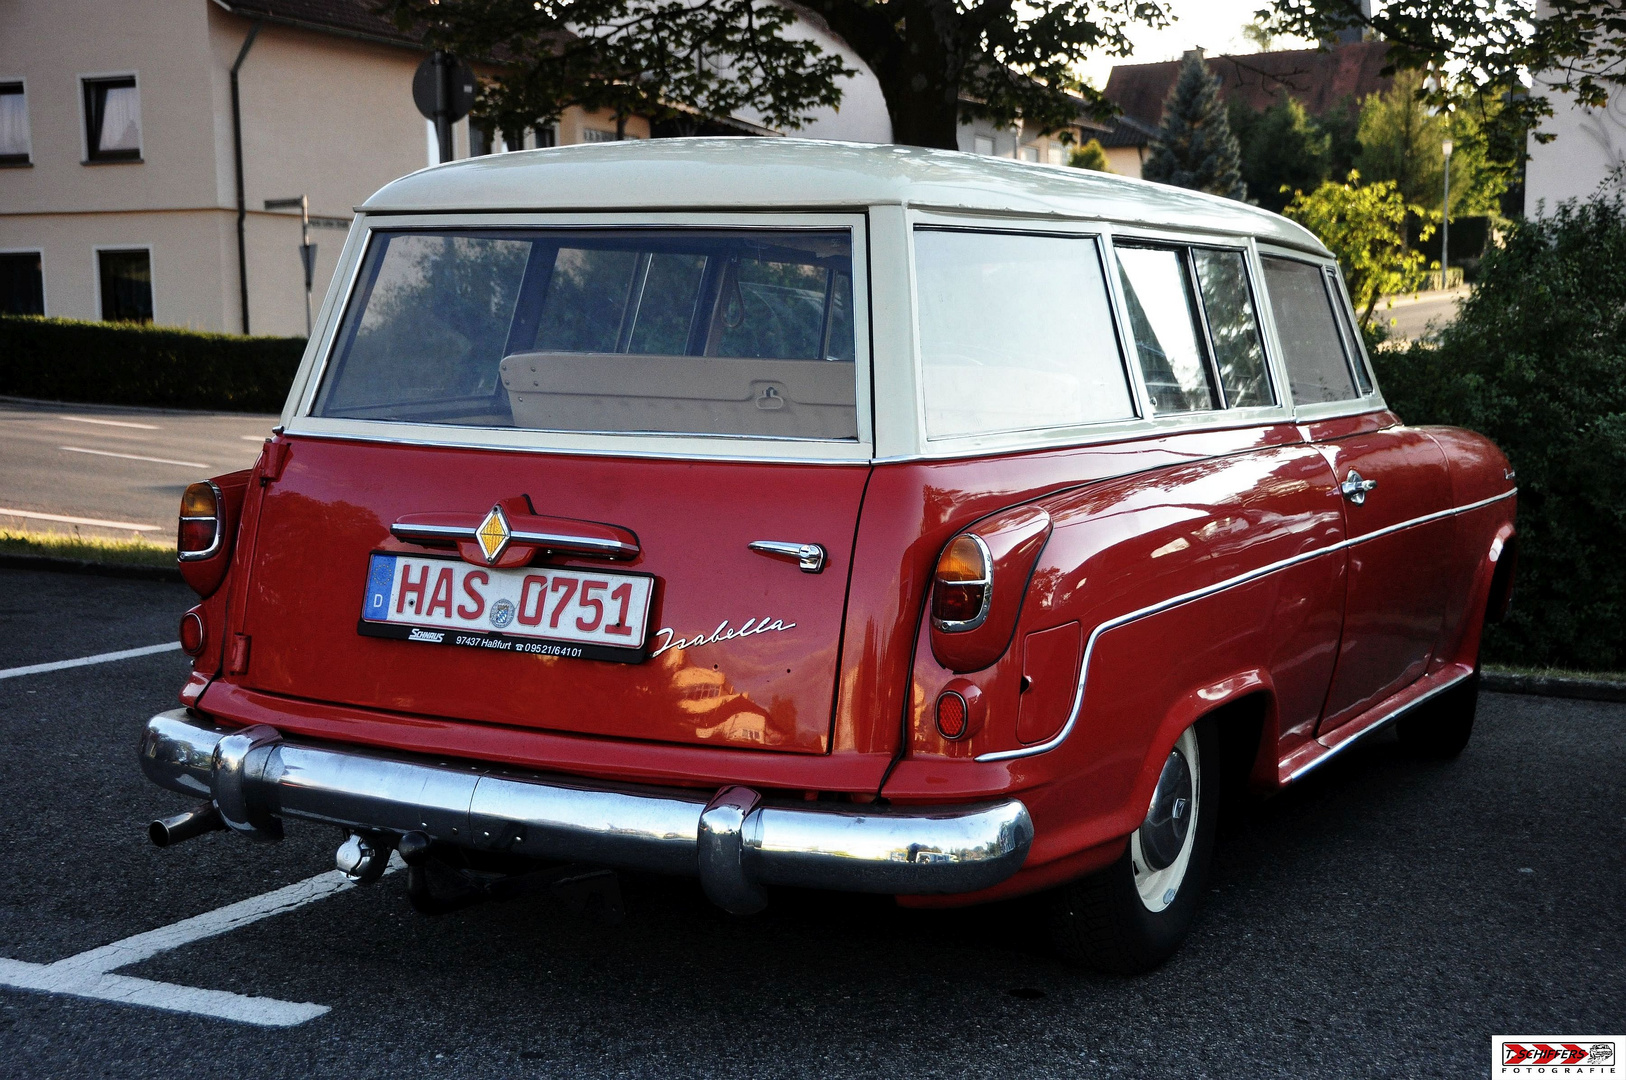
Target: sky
[{"x": 1215, "y": 25}]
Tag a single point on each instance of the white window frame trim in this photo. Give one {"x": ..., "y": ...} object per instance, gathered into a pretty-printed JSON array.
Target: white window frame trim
[
  {"x": 1326, "y": 410},
  {"x": 96, "y": 275},
  {"x": 297, "y": 418},
  {"x": 45, "y": 294},
  {"x": 1146, "y": 424},
  {"x": 28, "y": 128},
  {"x": 84, "y": 118}
]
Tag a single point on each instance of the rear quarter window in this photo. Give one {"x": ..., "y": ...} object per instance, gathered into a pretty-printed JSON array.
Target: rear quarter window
[{"x": 1015, "y": 333}]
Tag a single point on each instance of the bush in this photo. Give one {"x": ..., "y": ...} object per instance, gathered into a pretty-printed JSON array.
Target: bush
[
  {"x": 1537, "y": 361},
  {"x": 125, "y": 364}
]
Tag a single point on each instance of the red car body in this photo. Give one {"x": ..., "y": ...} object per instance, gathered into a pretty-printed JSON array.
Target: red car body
[{"x": 1142, "y": 582}]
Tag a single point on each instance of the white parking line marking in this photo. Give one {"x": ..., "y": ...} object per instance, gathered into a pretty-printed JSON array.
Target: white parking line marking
[
  {"x": 254, "y": 438},
  {"x": 100, "y": 523},
  {"x": 86, "y": 661},
  {"x": 137, "y": 457},
  {"x": 112, "y": 423},
  {"x": 90, "y": 974}
]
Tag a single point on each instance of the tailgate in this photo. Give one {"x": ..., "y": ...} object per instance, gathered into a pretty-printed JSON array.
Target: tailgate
[{"x": 740, "y": 647}]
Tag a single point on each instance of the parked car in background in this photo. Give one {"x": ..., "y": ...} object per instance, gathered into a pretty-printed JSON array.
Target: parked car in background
[{"x": 808, "y": 514}]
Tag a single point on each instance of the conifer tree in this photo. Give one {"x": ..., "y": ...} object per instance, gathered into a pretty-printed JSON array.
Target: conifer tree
[{"x": 1195, "y": 147}]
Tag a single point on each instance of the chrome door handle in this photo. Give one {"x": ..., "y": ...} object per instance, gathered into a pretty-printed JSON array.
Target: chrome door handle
[
  {"x": 1355, "y": 487},
  {"x": 810, "y": 557}
]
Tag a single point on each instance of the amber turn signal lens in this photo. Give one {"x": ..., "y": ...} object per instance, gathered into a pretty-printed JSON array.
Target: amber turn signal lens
[
  {"x": 199, "y": 501},
  {"x": 962, "y": 581},
  {"x": 952, "y": 714},
  {"x": 192, "y": 632}
]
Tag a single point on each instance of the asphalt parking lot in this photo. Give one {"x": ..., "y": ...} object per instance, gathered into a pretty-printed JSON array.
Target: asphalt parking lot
[{"x": 1383, "y": 919}]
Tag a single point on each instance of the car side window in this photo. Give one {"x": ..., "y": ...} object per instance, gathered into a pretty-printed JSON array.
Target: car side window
[
  {"x": 1016, "y": 333},
  {"x": 1352, "y": 336},
  {"x": 1167, "y": 329},
  {"x": 1318, "y": 366},
  {"x": 1233, "y": 326}
]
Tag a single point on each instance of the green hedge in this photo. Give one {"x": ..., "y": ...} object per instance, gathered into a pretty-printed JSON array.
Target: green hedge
[
  {"x": 1537, "y": 361},
  {"x": 125, "y": 364}
]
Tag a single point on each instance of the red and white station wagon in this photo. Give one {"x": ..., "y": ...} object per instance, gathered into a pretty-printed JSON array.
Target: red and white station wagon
[{"x": 850, "y": 517}]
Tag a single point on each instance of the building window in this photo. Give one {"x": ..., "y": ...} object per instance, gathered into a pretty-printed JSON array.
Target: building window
[
  {"x": 14, "y": 144},
  {"x": 112, "y": 119},
  {"x": 22, "y": 284},
  {"x": 597, "y": 135},
  {"x": 1058, "y": 154},
  {"x": 1028, "y": 153},
  {"x": 982, "y": 144},
  {"x": 126, "y": 281}
]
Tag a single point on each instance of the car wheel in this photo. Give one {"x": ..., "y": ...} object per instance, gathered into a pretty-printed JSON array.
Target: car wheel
[
  {"x": 1132, "y": 916},
  {"x": 1441, "y": 727}
]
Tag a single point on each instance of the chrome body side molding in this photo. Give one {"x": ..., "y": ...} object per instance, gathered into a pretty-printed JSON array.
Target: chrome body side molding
[{"x": 1209, "y": 590}]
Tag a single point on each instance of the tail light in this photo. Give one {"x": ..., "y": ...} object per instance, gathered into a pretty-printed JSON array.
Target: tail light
[
  {"x": 963, "y": 586},
  {"x": 202, "y": 522}
]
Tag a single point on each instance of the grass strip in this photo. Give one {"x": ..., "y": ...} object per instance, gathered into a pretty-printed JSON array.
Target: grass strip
[{"x": 93, "y": 549}]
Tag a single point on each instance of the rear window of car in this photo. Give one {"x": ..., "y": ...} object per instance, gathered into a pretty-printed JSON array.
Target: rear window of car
[
  {"x": 1015, "y": 333},
  {"x": 1321, "y": 364},
  {"x": 742, "y": 332}
]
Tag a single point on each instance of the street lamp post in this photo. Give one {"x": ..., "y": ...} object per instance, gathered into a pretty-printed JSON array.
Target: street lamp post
[
  {"x": 1445, "y": 221},
  {"x": 307, "y": 250}
]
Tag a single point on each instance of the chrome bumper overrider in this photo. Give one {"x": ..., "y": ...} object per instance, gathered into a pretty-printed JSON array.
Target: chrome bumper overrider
[{"x": 733, "y": 840}]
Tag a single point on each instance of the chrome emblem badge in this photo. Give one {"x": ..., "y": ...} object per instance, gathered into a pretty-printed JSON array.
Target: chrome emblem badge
[{"x": 494, "y": 534}]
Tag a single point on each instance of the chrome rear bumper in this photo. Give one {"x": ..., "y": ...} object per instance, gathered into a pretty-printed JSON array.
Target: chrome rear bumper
[{"x": 733, "y": 840}]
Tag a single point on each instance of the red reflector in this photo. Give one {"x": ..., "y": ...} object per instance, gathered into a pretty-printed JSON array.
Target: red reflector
[
  {"x": 192, "y": 633},
  {"x": 951, "y": 715}
]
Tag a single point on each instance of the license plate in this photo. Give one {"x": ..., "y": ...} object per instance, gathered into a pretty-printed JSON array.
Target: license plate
[{"x": 546, "y": 611}]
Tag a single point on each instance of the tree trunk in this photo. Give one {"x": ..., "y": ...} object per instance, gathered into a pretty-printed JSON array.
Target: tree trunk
[{"x": 917, "y": 59}]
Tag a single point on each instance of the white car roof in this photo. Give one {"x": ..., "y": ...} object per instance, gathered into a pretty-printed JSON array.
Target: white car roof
[{"x": 803, "y": 174}]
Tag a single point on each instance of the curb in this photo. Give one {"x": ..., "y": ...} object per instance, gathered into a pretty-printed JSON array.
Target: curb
[
  {"x": 1552, "y": 686},
  {"x": 85, "y": 566}
]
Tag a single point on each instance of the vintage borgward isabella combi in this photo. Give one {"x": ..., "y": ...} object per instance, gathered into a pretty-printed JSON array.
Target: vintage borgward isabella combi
[{"x": 851, "y": 517}]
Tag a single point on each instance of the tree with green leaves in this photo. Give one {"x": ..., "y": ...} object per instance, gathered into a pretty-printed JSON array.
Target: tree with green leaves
[
  {"x": 1483, "y": 54},
  {"x": 1536, "y": 359},
  {"x": 937, "y": 61},
  {"x": 1402, "y": 140},
  {"x": 1283, "y": 150},
  {"x": 1194, "y": 146},
  {"x": 1090, "y": 156},
  {"x": 1364, "y": 225}
]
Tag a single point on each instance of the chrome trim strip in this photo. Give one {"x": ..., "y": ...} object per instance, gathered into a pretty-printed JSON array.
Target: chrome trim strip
[
  {"x": 732, "y": 840},
  {"x": 1388, "y": 718},
  {"x": 961, "y": 626},
  {"x": 561, "y": 541},
  {"x": 1209, "y": 590},
  {"x": 220, "y": 532}
]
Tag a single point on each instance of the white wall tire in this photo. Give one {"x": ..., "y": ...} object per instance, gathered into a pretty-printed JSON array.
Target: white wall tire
[{"x": 1132, "y": 916}]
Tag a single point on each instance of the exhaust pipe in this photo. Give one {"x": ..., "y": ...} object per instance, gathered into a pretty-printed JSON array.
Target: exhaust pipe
[{"x": 166, "y": 832}]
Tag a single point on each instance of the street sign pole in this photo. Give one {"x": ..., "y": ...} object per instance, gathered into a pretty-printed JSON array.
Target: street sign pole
[
  {"x": 443, "y": 89},
  {"x": 443, "y": 104}
]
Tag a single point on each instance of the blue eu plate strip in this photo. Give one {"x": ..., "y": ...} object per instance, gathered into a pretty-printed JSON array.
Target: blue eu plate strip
[{"x": 380, "y": 584}]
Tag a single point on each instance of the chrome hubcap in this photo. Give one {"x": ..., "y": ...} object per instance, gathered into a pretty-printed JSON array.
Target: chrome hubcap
[
  {"x": 1160, "y": 850},
  {"x": 1163, "y": 833}
]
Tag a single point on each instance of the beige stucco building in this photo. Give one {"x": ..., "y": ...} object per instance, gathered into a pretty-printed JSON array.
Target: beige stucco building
[{"x": 117, "y": 152}]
